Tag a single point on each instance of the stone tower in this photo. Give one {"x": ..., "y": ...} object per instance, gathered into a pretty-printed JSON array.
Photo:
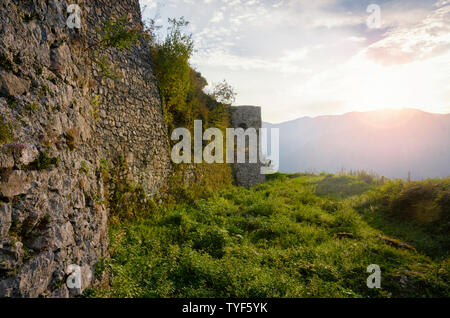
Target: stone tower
[{"x": 247, "y": 174}]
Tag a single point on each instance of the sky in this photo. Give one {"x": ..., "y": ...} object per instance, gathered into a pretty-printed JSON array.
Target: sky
[{"x": 297, "y": 58}]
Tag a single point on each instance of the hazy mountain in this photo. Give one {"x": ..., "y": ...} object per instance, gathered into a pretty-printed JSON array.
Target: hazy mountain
[{"x": 388, "y": 142}]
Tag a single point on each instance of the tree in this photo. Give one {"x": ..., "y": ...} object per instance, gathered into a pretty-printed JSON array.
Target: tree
[
  {"x": 224, "y": 93},
  {"x": 182, "y": 87},
  {"x": 172, "y": 68}
]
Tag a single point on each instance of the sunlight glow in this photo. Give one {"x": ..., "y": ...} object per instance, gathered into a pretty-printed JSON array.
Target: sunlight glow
[{"x": 412, "y": 85}]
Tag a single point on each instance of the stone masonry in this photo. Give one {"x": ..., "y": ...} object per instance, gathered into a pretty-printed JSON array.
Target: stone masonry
[
  {"x": 65, "y": 112},
  {"x": 247, "y": 174},
  {"x": 67, "y": 119}
]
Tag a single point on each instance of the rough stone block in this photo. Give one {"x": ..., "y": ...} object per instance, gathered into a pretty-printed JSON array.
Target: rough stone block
[
  {"x": 11, "y": 85},
  {"x": 13, "y": 183}
]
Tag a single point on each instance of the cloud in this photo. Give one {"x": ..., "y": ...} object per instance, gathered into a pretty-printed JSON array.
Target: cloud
[
  {"x": 286, "y": 63},
  {"x": 428, "y": 38},
  {"x": 218, "y": 16},
  {"x": 304, "y": 57},
  {"x": 149, "y": 4},
  {"x": 442, "y": 3}
]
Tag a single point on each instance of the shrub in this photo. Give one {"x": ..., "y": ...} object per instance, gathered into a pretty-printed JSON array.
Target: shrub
[
  {"x": 346, "y": 221},
  {"x": 331, "y": 206},
  {"x": 7, "y": 64},
  {"x": 417, "y": 212},
  {"x": 95, "y": 103},
  {"x": 341, "y": 186},
  {"x": 6, "y": 133},
  {"x": 182, "y": 88},
  {"x": 172, "y": 69},
  {"x": 425, "y": 202},
  {"x": 212, "y": 241},
  {"x": 264, "y": 207},
  {"x": 276, "y": 176},
  {"x": 104, "y": 169},
  {"x": 84, "y": 168},
  {"x": 118, "y": 34},
  {"x": 417, "y": 202},
  {"x": 44, "y": 162}
]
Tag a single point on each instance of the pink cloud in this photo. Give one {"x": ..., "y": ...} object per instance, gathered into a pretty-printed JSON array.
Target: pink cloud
[{"x": 428, "y": 38}]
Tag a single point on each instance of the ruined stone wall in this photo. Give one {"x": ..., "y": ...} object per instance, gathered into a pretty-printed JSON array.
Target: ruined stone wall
[
  {"x": 61, "y": 121},
  {"x": 247, "y": 174},
  {"x": 215, "y": 176},
  {"x": 66, "y": 118}
]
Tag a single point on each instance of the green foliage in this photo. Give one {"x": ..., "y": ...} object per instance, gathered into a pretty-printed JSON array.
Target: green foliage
[
  {"x": 126, "y": 200},
  {"x": 181, "y": 87},
  {"x": 172, "y": 68},
  {"x": 7, "y": 64},
  {"x": 100, "y": 267},
  {"x": 10, "y": 100},
  {"x": 211, "y": 241},
  {"x": 104, "y": 168},
  {"x": 343, "y": 186},
  {"x": 38, "y": 69},
  {"x": 118, "y": 34},
  {"x": 43, "y": 162},
  {"x": 31, "y": 108},
  {"x": 84, "y": 168},
  {"x": 95, "y": 103},
  {"x": 274, "y": 240},
  {"x": 45, "y": 90},
  {"x": 417, "y": 212},
  {"x": 425, "y": 202},
  {"x": 276, "y": 176},
  {"x": 106, "y": 69},
  {"x": 6, "y": 131},
  {"x": 29, "y": 17}
]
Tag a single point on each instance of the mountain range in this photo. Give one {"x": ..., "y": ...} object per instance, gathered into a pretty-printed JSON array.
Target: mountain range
[{"x": 392, "y": 143}]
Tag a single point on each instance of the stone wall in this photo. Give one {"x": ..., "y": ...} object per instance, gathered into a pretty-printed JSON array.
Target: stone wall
[
  {"x": 247, "y": 174},
  {"x": 62, "y": 121},
  {"x": 66, "y": 119}
]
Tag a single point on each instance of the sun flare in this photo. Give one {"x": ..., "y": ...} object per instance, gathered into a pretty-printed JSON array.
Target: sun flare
[{"x": 379, "y": 87}]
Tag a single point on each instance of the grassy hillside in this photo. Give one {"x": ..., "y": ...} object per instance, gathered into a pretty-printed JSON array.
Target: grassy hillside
[{"x": 295, "y": 236}]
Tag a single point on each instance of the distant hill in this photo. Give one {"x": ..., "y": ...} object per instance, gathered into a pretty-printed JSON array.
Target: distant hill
[{"x": 388, "y": 142}]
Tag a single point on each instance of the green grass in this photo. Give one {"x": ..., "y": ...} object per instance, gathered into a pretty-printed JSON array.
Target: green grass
[
  {"x": 279, "y": 239},
  {"x": 415, "y": 212},
  {"x": 343, "y": 186}
]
